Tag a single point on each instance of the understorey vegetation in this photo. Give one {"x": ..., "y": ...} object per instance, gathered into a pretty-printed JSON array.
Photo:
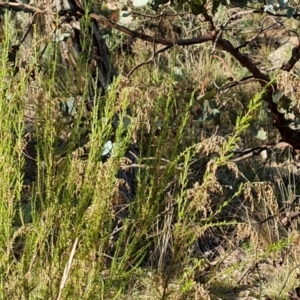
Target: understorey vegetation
[{"x": 149, "y": 149}]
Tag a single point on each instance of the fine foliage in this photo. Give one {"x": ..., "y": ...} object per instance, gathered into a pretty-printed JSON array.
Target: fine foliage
[{"x": 149, "y": 150}]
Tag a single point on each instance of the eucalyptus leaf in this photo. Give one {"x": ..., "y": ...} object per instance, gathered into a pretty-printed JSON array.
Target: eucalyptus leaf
[
  {"x": 126, "y": 122},
  {"x": 294, "y": 126},
  {"x": 156, "y": 3},
  {"x": 215, "y": 112},
  {"x": 125, "y": 17},
  {"x": 210, "y": 111},
  {"x": 259, "y": 134},
  {"x": 282, "y": 3},
  {"x": 233, "y": 117},
  {"x": 61, "y": 37},
  {"x": 203, "y": 118},
  {"x": 285, "y": 105},
  {"x": 197, "y": 6},
  {"x": 158, "y": 124},
  {"x": 205, "y": 105},
  {"x": 216, "y": 116},
  {"x": 160, "y": 2},
  {"x": 269, "y": 8},
  {"x": 139, "y": 3},
  {"x": 216, "y": 4},
  {"x": 212, "y": 104},
  {"x": 27, "y": 213},
  {"x": 71, "y": 106},
  {"x": 178, "y": 71},
  {"x": 282, "y": 110},
  {"x": 277, "y": 96},
  {"x": 107, "y": 148},
  {"x": 290, "y": 12},
  {"x": 68, "y": 107}
]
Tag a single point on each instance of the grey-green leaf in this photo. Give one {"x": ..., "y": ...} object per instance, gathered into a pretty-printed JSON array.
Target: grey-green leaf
[
  {"x": 139, "y": 2},
  {"x": 277, "y": 96},
  {"x": 107, "y": 148},
  {"x": 290, "y": 12},
  {"x": 259, "y": 134},
  {"x": 125, "y": 17}
]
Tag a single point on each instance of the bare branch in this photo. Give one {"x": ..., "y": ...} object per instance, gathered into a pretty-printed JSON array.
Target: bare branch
[
  {"x": 243, "y": 59},
  {"x": 20, "y": 6},
  {"x": 148, "y": 38},
  {"x": 293, "y": 60},
  {"x": 149, "y": 60},
  {"x": 247, "y": 153},
  {"x": 289, "y": 217}
]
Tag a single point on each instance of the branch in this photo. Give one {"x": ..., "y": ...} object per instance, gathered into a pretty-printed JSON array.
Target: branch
[
  {"x": 244, "y": 60},
  {"x": 250, "y": 152},
  {"x": 159, "y": 16},
  {"x": 293, "y": 60},
  {"x": 224, "y": 88},
  {"x": 20, "y": 6},
  {"x": 225, "y": 45},
  {"x": 289, "y": 217},
  {"x": 262, "y": 11},
  {"x": 247, "y": 153},
  {"x": 288, "y": 135},
  {"x": 149, "y": 60},
  {"x": 148, "y": 38}
]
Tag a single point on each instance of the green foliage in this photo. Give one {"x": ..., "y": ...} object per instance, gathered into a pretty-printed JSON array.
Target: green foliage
[
  {"x": 197, "y": 6},
  {"x": 139, "y": 2},
  {"x": 259, "y": 134},
  {"x": 70, "y": 230}
]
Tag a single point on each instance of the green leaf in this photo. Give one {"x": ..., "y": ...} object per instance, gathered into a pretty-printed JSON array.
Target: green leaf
[
  {"x": 290, "y": 12},
  {"x": 138, "y": 3},
  {"x": 216, "y": 4},
  {"x": 213, "y": 107},
  {"x": 197, "y": 6},
  {"x": 259, "y": 134},
  {"x": 61, "y": 38},
  {"x": 209, "y": 95},
  {"x": 233, "y": 117},
  {"x": 210, "y": 111},
  {"x": 285, "y": 105},
  {"x": 107, "y": 148},
  {"x": 277, "y": 96},
  {"x": 126, "y": 122},
  {"x": 239, "y": 3},
  {"x": 159, "y": 2},
  {"x": 27, "y": 213},
  {"x": 125, "y": 17},
  {"x": 282, "y": 3},
  {"x": 158, "y": 124},
  {"x": 68, "y": 107},
  {"x": 294, "y": 125},
  {"x": 216, "y": 114}
]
